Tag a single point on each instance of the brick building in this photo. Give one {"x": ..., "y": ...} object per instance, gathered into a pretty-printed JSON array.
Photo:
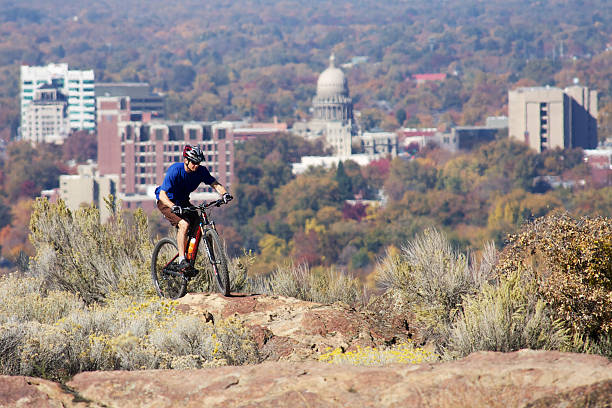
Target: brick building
[{"x": 140, "y": 149}]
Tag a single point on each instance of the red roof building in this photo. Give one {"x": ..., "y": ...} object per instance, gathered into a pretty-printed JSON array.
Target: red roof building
[{"x": 422, "y": 78}]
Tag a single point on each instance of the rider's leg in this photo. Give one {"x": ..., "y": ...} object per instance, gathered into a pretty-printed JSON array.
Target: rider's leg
[{"x": 181, "y": 237}]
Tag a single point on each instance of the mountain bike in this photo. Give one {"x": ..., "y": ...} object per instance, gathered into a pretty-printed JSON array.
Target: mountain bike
[{"x": 168, "y": 279}]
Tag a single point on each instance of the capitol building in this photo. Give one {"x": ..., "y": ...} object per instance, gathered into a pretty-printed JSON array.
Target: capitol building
[
  {"x": 332, "y": 109},
  {"x": 333, "y": 122}
]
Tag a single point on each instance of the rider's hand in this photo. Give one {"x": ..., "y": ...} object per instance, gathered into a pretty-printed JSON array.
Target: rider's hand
[
  {"x": 177, "y": 209},
  {"x": 227, "y": 198}
]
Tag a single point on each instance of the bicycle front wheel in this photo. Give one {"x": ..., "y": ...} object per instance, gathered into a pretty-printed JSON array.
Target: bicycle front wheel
[
  {"x": 218, "y": 259},
  {"x": 165, "y": 272}
]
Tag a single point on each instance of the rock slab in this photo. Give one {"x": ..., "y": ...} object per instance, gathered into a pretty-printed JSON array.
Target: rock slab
[{"x": 524, "y": 378}]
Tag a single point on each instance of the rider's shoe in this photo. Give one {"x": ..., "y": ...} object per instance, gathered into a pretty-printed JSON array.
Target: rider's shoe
[
  {"x": 186, "y": 269},
  {"x": 183, "y": 266}
]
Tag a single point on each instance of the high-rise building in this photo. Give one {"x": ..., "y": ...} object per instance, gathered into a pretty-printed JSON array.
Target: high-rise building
[
  {"x": 45, "y": 118},
  {"x": 548, "y": 117},
  {"x": 78, "y": 86},
  {"x": 139, "y": 149}
]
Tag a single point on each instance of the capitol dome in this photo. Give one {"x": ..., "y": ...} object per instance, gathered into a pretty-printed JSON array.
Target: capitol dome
[{"x": 332, "y": 81}]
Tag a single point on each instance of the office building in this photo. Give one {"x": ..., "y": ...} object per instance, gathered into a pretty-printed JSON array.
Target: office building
[
  {"x": 549, "y": 117},
  {"x": 45, "y": 118},
  {"x": 379, "y": 143},
  {"x": 140, "y": 149},
  {"x": 78, "y": 86}
]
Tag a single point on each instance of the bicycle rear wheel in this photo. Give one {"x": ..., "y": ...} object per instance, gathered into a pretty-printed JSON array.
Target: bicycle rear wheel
[
  {"x": 164, "y": 270},
  {"x": 219, "y": 261}
]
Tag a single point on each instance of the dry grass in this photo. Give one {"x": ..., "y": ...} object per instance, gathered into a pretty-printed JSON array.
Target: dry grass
[{"x": 323, "y": 285}]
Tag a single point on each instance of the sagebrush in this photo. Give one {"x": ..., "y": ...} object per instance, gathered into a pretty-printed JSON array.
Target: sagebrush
[
  {"x": 58, "y": 335},
  {"x": 324, "y": 285},
  {"x": 78, "y": 254},
  {"x": 505, "y": 317},
  {"x": 435, "y": 279}
]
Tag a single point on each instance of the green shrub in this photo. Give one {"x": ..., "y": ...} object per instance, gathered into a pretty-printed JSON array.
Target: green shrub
[
  {"x": 74, "y": 252},
  {"x": 323, "y": 285},
  {"x": 506, "y": 317},
  {"x": 571, "y": 260},
  {"x": 434, "y": 279}
]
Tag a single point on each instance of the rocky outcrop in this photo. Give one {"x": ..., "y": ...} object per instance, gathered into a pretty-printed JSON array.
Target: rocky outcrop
[
  {"x": 295, "y": 330},
  {"x": 291, "y": 333},
  {"x": 487, "y": 379}
]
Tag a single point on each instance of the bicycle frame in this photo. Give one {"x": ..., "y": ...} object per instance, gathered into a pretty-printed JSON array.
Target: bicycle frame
[
  {"x": 169, "y": 277},
  {"x": 204, "y": 223}
]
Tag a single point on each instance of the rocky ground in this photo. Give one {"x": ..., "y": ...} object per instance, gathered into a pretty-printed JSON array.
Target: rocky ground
[{"x": 291, "y": 334}]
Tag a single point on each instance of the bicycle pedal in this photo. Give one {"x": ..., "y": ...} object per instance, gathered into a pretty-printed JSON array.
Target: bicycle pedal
[{"x": 190, "y": 272}]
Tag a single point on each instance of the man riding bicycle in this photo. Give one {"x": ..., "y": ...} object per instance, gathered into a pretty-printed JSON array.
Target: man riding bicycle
[{"x": 180, "y": 181}]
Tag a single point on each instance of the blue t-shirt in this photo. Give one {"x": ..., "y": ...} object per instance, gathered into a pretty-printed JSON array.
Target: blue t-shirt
[{"x": 178, "y": 184}]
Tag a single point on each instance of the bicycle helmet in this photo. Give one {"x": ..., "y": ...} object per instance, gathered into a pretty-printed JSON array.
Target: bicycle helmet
[{"x": 193, "y": 154}]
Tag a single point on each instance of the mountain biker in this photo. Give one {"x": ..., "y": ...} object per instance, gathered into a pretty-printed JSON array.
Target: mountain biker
[{"x": 180, "y": 181}]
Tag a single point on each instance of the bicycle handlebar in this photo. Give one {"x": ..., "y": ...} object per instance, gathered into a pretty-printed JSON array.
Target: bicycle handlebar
[{"x": 204, "y": 206}]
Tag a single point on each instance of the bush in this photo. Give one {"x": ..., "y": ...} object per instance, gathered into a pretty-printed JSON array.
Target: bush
[
  {"x": 24, "y": 299},
  {"x": 571, "y": 261},
  {"x": 434, "y": 279},
  {"x": 506, "y": 317},
  {"x": 57, "y": 336},
  {"x": 75, "y": 253},
  {"x": 324, "y": 285}
]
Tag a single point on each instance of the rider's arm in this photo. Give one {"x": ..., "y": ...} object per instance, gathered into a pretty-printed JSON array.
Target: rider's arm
[
  {"x": 163, "y": 197},
  {"x": 216, "y": 185}
]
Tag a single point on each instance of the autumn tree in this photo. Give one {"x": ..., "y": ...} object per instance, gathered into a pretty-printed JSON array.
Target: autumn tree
[
  {"x": 80, "y": 146},
  {"x": 29, "y": 170}
]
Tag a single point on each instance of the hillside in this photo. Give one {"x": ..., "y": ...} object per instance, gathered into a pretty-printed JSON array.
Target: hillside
[{"x": 485, "y": 379}]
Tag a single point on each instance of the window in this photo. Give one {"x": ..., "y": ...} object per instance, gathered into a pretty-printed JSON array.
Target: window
[
  {"x": 159, "y": 134},
  {"x": 220, "y": 134},
  {"x": 193, "y": 134},
  {"x": 206, "y": 132}
]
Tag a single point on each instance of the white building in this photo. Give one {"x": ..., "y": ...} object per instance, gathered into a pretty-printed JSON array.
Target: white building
[
  {"x": 77, "y": 85},
  {"x": 86, "y": 188},
  {"x": 332, "y": 112},
  {"x": 45, "y": 119},
  {"x": 379, "y": 143}
]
